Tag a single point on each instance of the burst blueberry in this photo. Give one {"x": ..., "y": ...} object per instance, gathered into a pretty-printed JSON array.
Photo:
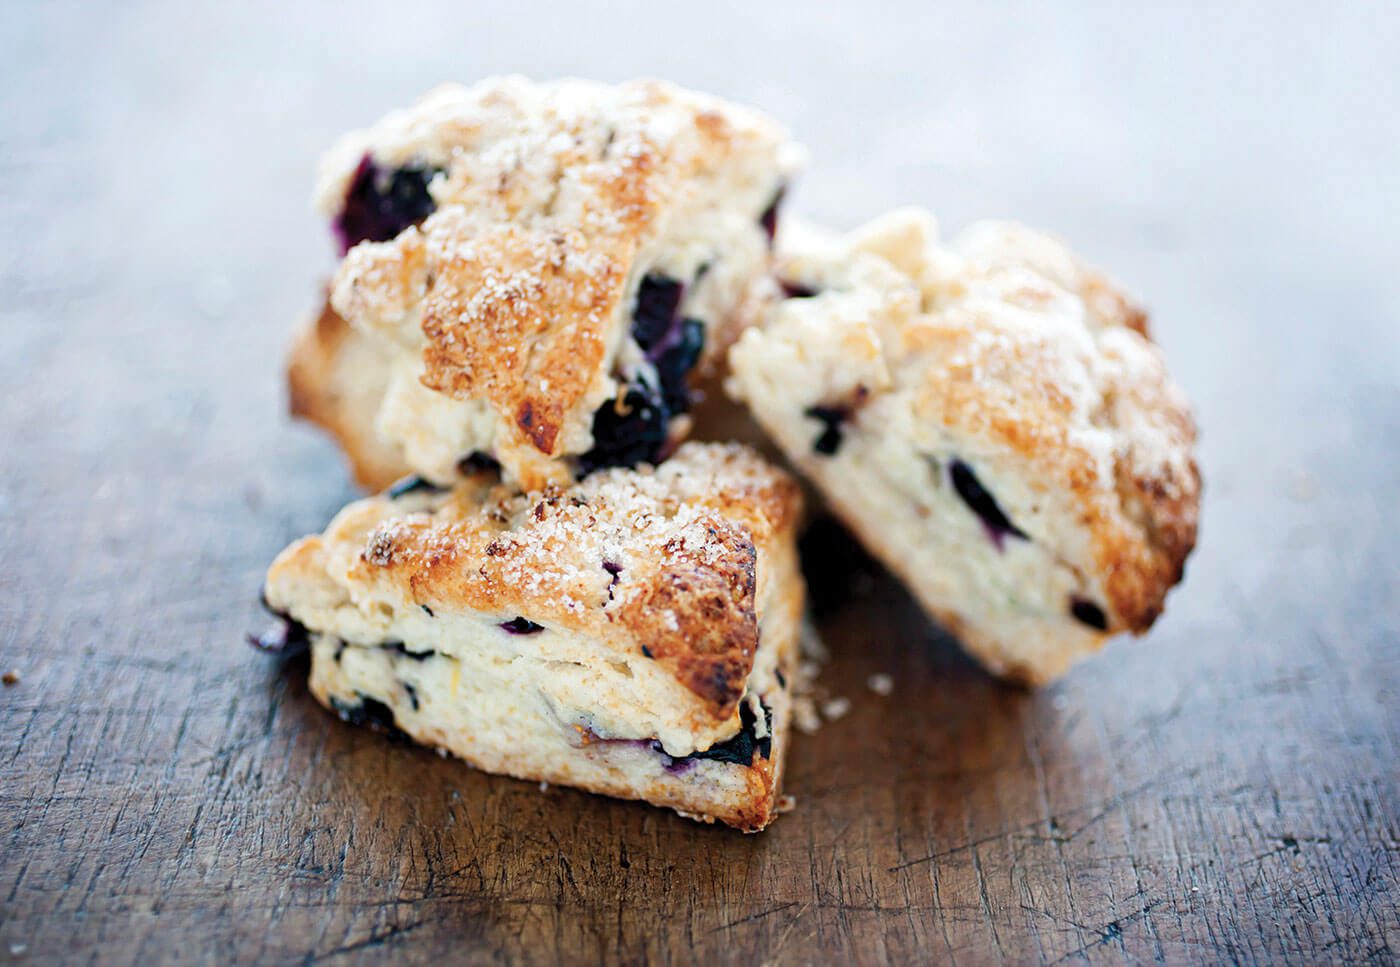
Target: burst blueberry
[
  {"x": 654, "y": 316},
  {"x": 769, "y": 218},
  {"x": 740, "y": 749},
  {"x": 381, "y": 202},
  {"x": 369, "y": 712},
  {"x": 831, "y": 418},
  {"x": 983, "y": 504},
  {"x": 626, "y": 435},
  {"x": 1089, "y": 613},
  {"x": 673, "y": 366}
]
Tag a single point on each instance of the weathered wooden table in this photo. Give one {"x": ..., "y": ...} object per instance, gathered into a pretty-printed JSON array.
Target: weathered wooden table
[{"x": 1225, "y": 789}]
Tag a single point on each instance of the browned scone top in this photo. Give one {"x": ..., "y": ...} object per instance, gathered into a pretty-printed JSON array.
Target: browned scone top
[
  {"x": 662, "y": 563},
  {"x": 552, "y": 200}
]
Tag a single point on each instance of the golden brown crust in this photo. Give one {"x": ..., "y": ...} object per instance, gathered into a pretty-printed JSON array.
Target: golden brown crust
[
  {"x": 520, "y": 319},
  {"x": 1021, "y": 393},
  {"x": 335, "y": 379},
  {"x": 697, "y": 613},
  {"x": 658, "y": 559}
]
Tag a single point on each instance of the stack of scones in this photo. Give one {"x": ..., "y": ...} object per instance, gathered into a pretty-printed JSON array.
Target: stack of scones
[{"x": 551, "y": 582}]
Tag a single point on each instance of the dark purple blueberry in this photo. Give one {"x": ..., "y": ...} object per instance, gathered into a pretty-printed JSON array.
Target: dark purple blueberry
[
  {"x": 478, "y": 462},
  {"x": 626, "y": 439},
  {"x": 381, "y": 202},
  {"x": 1089, "y": 613},
  {"x": 284, "y": 636},
  {"x": 782, "y": 679},
  {"x": 983, "y": 504},
  {"x": 658, "y": 300},
  {"x": 796, "y": 290},
  {"x": 615, "y": 570},
  {"x": 427, "y": 610},
  {"x": 646, "y": 652},
  {"x": 371, "y": 713},
  {"x": 673, "y": 365},
  {"x": 831, "y": 418},
  {"x": 740, "y": 749},
  {"x": 402, "y": 649},
  {"x": 412, "y": 694},
  {"x": 672, "y": 765},
  {"x": 769, "y": 218},
  {"x": 521, "y": 626},
  {"x": 413, "y": 485}
]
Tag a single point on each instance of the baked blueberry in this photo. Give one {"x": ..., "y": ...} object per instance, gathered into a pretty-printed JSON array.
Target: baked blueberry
[
  {"x": 658, "y": 301},
  {"x": 674, "y": 363},
  {"x": 769, "y": 218},
  {"x": 402, "y": 649},
  {"x": 831, "y": 419},
  {"x": 740, "y": 749},
  {"x": 370, "y": 713},
  {"x": 796, "y": 290},
  {"x": 628, "y": 434},
  {"x": 1089, "y": 613},
  {"x": 381, "y": 202},
  {"x": 983, "y": 504}
]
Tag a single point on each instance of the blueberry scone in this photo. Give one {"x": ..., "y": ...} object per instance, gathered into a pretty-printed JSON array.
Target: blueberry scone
[
  {"x": 543, "y": 265},
  {"x": 633, "y": 634},
  {"x": 991, "y": 419}
]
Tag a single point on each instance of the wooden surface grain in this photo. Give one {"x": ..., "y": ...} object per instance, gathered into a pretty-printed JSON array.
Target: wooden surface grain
[{"x": 1223, "y": 790}]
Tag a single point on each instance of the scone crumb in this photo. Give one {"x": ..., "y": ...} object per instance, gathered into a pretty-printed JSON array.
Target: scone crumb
[
  {"x": 785, "y": 804},
  {"x": 804, "y": 714},
  {"x": 834, "y": 708},
  {"x": 880, "y": 684},
  {"x": 11, "y": 677},
  {"x": 544, "y": 787}
]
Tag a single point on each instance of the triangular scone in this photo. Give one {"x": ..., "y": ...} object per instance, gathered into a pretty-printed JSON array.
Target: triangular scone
[
  {"x": 992, "y": 421},
  {"x": 544, "y": 264},
  {"x": 634, "y": 634}
]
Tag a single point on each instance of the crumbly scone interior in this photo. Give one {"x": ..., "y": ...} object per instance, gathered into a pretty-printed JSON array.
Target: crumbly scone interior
[
  {"x": 991, "y": 421},
  {"x": 517, "y": 714},
  {"x": 643, "y": 597},
  {"x": 561, "y": 213}
]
